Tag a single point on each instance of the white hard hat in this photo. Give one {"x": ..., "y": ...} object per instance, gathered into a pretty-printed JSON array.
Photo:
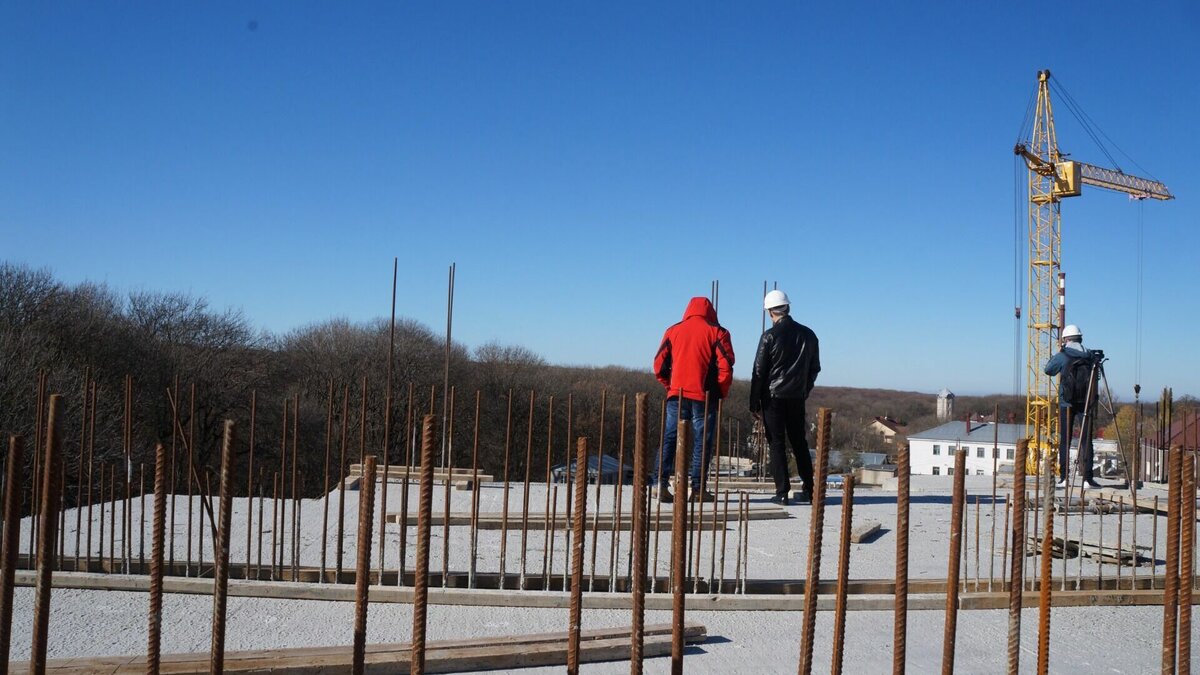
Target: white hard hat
[
  {"x": 1071, "y": 331},
  {"x": 775, "y": 299}
]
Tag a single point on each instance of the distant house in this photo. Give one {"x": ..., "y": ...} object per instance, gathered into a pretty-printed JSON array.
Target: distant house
[
  {"x": 988, "y": 445},
  {"x": 887, "y": 428}
]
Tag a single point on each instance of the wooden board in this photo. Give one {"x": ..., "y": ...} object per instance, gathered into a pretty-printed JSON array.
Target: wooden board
[
  {"x": 414, "y": 473},
  {"x": 515, "y": 651},
  {"x": 537, "y": 521}
]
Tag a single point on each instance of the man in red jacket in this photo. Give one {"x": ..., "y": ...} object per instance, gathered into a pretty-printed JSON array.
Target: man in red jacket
[{"x": 694, "y": 364}]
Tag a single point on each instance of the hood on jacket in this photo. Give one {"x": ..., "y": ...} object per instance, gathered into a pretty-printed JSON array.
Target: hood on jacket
[{"x": 701, "y": 307}]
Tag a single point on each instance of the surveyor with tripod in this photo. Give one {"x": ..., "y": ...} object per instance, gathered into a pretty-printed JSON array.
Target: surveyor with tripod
[{"x": 1078, "y": 369}]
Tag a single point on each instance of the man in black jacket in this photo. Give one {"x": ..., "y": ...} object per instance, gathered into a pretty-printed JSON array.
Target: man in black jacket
[{"x": 785, "y": 369}]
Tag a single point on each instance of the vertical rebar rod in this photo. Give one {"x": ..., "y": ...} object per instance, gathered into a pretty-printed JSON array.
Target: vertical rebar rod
[
  {"x": 547, "y": 523},
  {"x": 90, "y": 477},
  {"x": 157, "y": 544},
  {"x": 683, "y": 444},
  {"x": 274, "y": 523},
  {"x": 410, "y": 441},
  {"x": 549, "y": 552},
  {"x": 698, "y": 508},
  {"x": 580, "y": 515},
  {"x": 421, "y": 568},
  {"x": 221, "y": 570},
  {"x": 83, "y": 418},
  {"x": 449, "y": 465},
  {"x": 570, "y": 497},
  {"x": 995, "y": 471},
  {"x": 839, "y": 621},
  {"x": 12, "y": 536},
  {"x": 712, "y": 557},
  {"x": 173, "y": 398},
  {"x": 599, "y": 480},
  {"x": 900, "y": 609},
  {"x": 35, "y": 484},
  {"x": 446, "y": 371},
  {"x": 127, "y": 474},
  {"x": 250, "y": 477},
  {"x": 1004, "y": 551},
  {"x": 294, "y": 551},
  {"x": 341, "y": 521},
  {"x": 1187, "y": 544},
  {"x": 504, "y": 497},
  {"x": 950, "y": 632},
  {"x": 638, "y": 538},
  {"x": 662, "y": 440},
  {"x": 1120, "y": 539},
  {"x": 815, "y": 534},
  {"x": 1154, "y": 544},
  {"x": 1066, "y": 510},
  {"x": 614, "y": 544},
  {"x": 112, "y": 515},
  {"x": 142, "y": 513},
  {"x": 1016, "y": 578},
  {"x": 387, "y": 426},
  {"x": 746, "y": 540},
  {"x": 362, "y": 570},
  {"x": 525, "y": 497},
  {"x": 724, "y": 540},
  {"x": 46, "y": 536},
  {"x": 100, "y": 527},
  {"x": 325, "y": 497},
  {"x": 474, "y": 495},
  {"x": 1046, "y": 583},
  {"x": 261, "y": 502},
  {"x": 191, "y": 440},
  {"x": 977, "y": 571},
  {"x": 1171, "y": 582}
]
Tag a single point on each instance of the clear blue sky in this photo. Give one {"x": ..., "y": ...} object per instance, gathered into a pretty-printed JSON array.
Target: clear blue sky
[{"x": 591, "y": 167}]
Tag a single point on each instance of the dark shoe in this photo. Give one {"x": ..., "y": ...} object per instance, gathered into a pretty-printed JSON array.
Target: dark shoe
[
  {"x": 665, "y": 496},
  {"x": 804, "y": 496},
  {"x": 702, "y": 496},
  {"x": 1091, "y": 483},
  {"x": 782, "y": 501}
]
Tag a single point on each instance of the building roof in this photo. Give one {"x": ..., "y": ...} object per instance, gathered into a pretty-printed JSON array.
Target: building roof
[
  {"x": 980, "y": 432},
  {"x": 895, "y": 425},
  {"x": 945, "y": 393}
]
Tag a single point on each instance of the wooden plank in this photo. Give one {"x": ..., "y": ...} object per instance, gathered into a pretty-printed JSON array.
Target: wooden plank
[
  {"x": 866, "y": 531},
  {"x": 509, "y": 651},
  {"x": 606, "y": 521}
]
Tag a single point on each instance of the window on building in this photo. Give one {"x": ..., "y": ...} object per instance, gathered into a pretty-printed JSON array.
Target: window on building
[
  {"x": 1009, "y": 453},
  {"x": 979, "y": 453},
  {"x": 937, "y": 470},
  {"x": 949, "y": 471},
  {"x": 937, "y": 449},
  {"x": 978, "y": 472}
]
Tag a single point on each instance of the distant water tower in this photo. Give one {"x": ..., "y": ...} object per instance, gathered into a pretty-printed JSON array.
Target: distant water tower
[{"x": 945, "y": 405}]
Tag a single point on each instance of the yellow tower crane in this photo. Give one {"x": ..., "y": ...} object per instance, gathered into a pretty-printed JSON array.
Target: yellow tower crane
[{"x": 1051, "y": 179}]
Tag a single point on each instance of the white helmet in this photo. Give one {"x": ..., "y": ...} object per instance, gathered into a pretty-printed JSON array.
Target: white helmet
[
  {"x": 775, "y": 299},
  {"x": 1071, "y": 331}
]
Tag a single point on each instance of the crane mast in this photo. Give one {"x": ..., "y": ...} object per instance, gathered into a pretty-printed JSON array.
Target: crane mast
[{"x": 1051, "y": 179}]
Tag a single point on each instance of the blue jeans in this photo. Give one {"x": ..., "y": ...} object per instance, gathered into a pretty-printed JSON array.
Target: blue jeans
[{"x": 704, "y": 429}]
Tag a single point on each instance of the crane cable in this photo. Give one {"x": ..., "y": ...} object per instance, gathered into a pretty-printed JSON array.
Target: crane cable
[{"x": 1020, "y": 199}]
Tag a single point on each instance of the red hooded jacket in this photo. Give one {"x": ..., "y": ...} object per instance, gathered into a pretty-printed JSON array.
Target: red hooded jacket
[{"x": 696, "y": 355}]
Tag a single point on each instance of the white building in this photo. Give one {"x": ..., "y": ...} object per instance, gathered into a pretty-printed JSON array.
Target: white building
[{"x": 988, "y": 444}]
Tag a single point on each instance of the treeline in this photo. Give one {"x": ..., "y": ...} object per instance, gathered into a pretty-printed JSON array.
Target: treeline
[{"x": 186, "y": 367}]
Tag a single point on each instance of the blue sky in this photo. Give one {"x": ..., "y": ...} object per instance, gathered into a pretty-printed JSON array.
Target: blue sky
[{"x": 591, "y": 167}]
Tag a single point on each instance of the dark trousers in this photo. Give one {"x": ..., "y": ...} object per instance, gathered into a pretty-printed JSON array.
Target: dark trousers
[
  {"x": 1066, "y": 424},
  {"x": 784, "y": 420}
]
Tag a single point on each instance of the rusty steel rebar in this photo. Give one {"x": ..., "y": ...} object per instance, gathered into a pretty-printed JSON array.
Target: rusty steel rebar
[
  {"x": 577, "y": 524},
  {"x": 35, "y": 481},
  {"x": 683, "y": 444},
  {"x": 1016, "y": 577},
  {"x": 221, "y": 570},
  {"x": 362, "y": 569},
  {"x": 1004, "y": 550},
  {"x": 274, "y": 523},
  {"x": 900, "y": 609},
  {"x": 83, "y": 417},
  {"x": 90, "y": 477},
  {"x": 504, "y": 498},
  {"x": 51, "y": 502},
  {"x": 11, "y": 542},
  {"x": 658, "y": 468},
  {"x": 341, "y": 519},
  {"x": 547, "y": 516},
  {"x": 599, "y": 475},
  {"x": 261, "y": 503},
  {"x": 189, "y": 471},
  {"x": 1046, "y": 583},
  {"x": 712, "y": 556},
  {"x": 474, "y": 535},
  {"x": 949, "y": 633},
  {"x": 724, "y": 540},
  {"x": 525, "y": 497},
  {"x": 1187, "y": 543},
  {"x": 421, "y": 569},
  {"x": 816, "y": 532},
  {"x": 388, "y": 404},
  {"x": 448, "y": 457},
  {"x": 157, "y": 546},
  {"x": 325, "y": 506},
  {"x": 1171, "y": 582},
  {"x": 569, "y": 497},
  {"x": 410, "y": 449},
  {"x": 745, "y": 540},
  {"x": 294, "y": 521},
  {"x": 696, "y": 502},
  {"x": 839, "y": 621},
  {"x": 250, "y": 479},
  {"x": 638, "y": 538}
]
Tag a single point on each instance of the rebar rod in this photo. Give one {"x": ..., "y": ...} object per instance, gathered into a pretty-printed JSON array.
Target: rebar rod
[
  {"x": 295, "y": 520},
  {"x": 548, "y": 556},
  {"x": 191, "y": 444},
  {"x": 712, "y": 556},
  {"x": 1171, "y": 574},
  {"x": 325, "y": 491},
  {"x": 638, "y": 539},
  {"x": 474, "y": 494},
  {"x": 1016, "y": 578},
  {"x": 51, "y": 502},
  {"x": 547, "y": 521},
  {"x": 950, "y": 631},
  {"x": 35, "y": 480},
  {"x": 599, "y": 480},
  {"x": 142, "y": 513},
  {"x": 900, "y": 610},
  {"x": 658, "y": 468},
  {"x": 614, "y": 544},
  {"x": 158, "y": 543},
  {"x": 261, "y": 502},
  {"x": 580, "y": 515},
  {"x": 90, "y": 477},
  {"x": 250, "y": 478},
  {"x": 11, "y": 543},
  {"x": 569, "y": 499},
  {"x": 1046, "y": 584},
  {"x": 525, "y": 497},
  {"x": 816, "y": 532},
  {"x": 421, "y": 569},
  {"x": 448, "y": 458},
  {"x": 221, "y": 571},
  {"x": 387, "y": 426},
  {"x": 683, "y": 436},
  {"x": 341, "y": 520},
  {"x": 698, "y": 500},
  {"x": 410, "y": 441},
  {"x": 362, "y": 573},
  {"x": 274, "y": 523},
  {"x": 83, "y": 418},
  {"x": 977, "y": 571},
  {"x": 839, "y": 621},
  {"x": 504, "y": 498},
  {"x": 1187, "y": 544},
  {"x": 995, "y": 471},
  {"x": 172, "y": 397}
]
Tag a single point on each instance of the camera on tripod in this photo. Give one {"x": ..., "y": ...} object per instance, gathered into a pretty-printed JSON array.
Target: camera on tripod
[{"x": 1097, "y": 356}]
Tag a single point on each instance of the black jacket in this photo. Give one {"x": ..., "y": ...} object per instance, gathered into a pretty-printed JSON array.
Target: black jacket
[{"x": 786, "y": 364}]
